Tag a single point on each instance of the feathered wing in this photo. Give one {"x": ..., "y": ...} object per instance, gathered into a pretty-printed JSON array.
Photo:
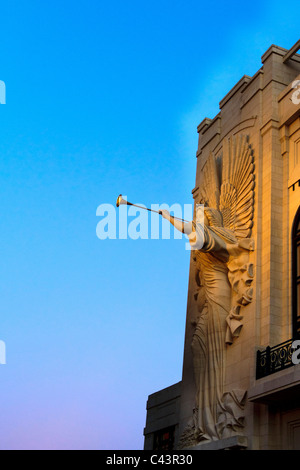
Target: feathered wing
[
  {"x": 210, "y": 186},
  {"x": 237, "y": 208},
  {"x": 237, "y": 187}
]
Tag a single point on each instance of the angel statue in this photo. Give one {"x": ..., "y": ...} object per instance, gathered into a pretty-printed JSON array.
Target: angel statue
[{"x": 224, "y": 275}]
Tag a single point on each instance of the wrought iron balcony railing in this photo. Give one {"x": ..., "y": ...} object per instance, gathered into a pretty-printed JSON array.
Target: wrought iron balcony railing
[{"x": 274, "y": 359}]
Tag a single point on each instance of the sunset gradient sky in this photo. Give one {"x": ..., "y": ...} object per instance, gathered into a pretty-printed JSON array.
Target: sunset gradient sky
[{"x": 104, "y": 98}]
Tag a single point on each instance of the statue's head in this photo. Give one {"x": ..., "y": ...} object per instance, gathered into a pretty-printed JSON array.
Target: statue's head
[{"x": 204, "y": 202}]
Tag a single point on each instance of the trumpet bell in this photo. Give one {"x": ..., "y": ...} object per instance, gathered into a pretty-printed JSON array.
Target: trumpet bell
[{"x": 120, "y": 201}]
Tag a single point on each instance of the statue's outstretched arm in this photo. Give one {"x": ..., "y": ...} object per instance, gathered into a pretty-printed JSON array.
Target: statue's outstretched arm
[{"x": 184, "y": 227}]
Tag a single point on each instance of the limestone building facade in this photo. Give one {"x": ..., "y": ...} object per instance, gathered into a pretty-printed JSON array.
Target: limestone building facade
[{"x": 258, "y": 131}]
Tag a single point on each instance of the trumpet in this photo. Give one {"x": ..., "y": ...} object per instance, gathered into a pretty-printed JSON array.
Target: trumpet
[{"x": 121, "y": 201}]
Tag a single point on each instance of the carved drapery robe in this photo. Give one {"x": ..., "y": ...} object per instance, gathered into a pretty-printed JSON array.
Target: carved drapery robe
[{"x": 219, "y": 248}]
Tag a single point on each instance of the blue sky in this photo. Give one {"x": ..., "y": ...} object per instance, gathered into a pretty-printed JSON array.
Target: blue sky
[{"x": 104, "y": 98}]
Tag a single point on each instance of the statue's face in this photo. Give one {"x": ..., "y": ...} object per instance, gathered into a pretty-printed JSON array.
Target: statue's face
[{"x": 200, "y": 214}]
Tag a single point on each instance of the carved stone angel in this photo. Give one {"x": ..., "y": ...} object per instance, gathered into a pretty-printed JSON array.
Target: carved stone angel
[{"x": 222, "y": 247}]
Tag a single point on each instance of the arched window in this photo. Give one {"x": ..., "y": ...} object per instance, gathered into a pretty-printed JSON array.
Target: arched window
[{"x": 296, "y": 275}]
